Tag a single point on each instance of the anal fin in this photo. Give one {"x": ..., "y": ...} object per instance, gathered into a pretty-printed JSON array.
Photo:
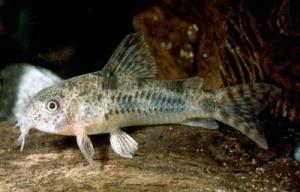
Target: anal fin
[
  {"x": 123, "y": 144},
  {"x": 200, "y": 122}
]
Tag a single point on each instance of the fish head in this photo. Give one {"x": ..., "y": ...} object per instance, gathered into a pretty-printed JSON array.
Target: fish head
[{"x": 47, "y": 111}]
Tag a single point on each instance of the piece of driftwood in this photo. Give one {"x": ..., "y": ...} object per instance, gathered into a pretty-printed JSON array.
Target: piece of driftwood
[{"x": 170, "y": 158}]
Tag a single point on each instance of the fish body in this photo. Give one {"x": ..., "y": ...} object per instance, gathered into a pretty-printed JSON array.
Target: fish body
[
  {"x": 125, "y": 94},
  {"x": 130, "y": 102}
]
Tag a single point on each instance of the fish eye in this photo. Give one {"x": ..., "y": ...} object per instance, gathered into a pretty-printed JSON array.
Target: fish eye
[{"x": 52, "y": 105}]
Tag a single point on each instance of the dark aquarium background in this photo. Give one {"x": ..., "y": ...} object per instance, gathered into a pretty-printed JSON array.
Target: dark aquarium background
[
  {"x": 225, "y": 42},
  {"x": 68, "y": 37}
]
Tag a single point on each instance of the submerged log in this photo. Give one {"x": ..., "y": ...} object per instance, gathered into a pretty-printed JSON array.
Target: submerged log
[{"x": 170, "y": 158}]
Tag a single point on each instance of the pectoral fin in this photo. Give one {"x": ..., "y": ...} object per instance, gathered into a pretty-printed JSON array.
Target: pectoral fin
[
  {"x": 85, "y": 145},
  {"x": 123, "y": 144},
  {"x": 198, "y": 122}
]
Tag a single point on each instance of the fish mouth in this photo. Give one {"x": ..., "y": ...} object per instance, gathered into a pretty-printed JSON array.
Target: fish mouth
[{"x": 24, "y": 130}]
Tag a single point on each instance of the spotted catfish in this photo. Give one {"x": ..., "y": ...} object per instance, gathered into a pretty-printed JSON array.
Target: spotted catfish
[{"x": 125, "y": 93}]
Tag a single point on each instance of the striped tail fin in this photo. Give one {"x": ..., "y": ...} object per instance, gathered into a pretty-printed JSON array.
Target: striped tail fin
[{"x": 239, "y": 105}]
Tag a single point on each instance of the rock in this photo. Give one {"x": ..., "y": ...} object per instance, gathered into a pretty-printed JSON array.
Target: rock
[
  {"x": 297, "y": 153},
  {"x": 19, "y": 82}
]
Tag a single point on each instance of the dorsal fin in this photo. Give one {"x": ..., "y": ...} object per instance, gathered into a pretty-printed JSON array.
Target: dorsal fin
[{"x": 132, "y": 58}]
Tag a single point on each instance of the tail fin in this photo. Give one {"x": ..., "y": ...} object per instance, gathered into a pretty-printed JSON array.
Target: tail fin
[{"x": 238, "y": 106}]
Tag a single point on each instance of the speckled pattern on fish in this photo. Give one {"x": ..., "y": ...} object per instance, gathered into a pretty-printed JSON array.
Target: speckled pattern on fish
[{"x": 125, "y": 94}]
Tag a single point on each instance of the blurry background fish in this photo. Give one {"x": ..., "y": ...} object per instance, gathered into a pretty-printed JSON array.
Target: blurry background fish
[{"x": 19, "y": 82}]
